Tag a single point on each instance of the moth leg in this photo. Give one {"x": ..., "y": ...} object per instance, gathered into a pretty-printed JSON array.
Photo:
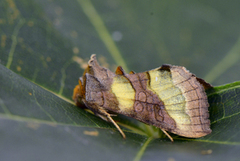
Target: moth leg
[
  {"x": 107, "y": 117},
  {"x": 104, "y": 117},
  {"x": 165, "y": 132}
]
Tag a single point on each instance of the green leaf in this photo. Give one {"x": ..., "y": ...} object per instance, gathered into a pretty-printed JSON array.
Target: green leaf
[{"x": 44, "y": 47}]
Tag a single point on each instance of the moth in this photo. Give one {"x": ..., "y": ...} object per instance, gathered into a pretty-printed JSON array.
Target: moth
[{"x": 169, "y": 97}]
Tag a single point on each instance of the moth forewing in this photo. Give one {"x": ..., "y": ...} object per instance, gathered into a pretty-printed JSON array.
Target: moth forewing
[{"x": 169, "y": 97}]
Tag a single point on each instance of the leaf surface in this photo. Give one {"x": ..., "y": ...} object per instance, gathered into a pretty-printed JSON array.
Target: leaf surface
[{"x": 44, "y": 48}]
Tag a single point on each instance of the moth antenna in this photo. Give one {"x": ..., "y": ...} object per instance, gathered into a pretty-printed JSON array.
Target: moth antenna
[
  {"x": 165, "y": 132},
  {"x": 120, "y": 71},
  {"x": 132, "y": 72}
]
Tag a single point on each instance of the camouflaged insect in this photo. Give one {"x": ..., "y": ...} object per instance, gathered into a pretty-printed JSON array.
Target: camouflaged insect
[{"x": 169, "y": 97}]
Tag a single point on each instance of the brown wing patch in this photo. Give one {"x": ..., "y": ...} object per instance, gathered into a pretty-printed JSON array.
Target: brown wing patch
[{"x": 148, "y": 107}]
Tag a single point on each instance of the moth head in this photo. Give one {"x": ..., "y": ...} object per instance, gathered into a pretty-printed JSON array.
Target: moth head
[{"x": 78, "y": 93}]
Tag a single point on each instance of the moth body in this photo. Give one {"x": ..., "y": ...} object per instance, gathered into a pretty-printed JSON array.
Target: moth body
[{"x": 168, "y": 97}]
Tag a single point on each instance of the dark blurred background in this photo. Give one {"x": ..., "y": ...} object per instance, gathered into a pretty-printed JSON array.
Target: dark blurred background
[{"x": 50, "y": 41}]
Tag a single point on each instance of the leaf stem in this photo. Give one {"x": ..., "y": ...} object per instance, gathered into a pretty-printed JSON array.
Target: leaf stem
[
  {"x": 231, "y": 58},
  {"x": 14, "y": 42},
  {"x": 142, "y": 150},
  {"x": 102, "y": 31}
]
